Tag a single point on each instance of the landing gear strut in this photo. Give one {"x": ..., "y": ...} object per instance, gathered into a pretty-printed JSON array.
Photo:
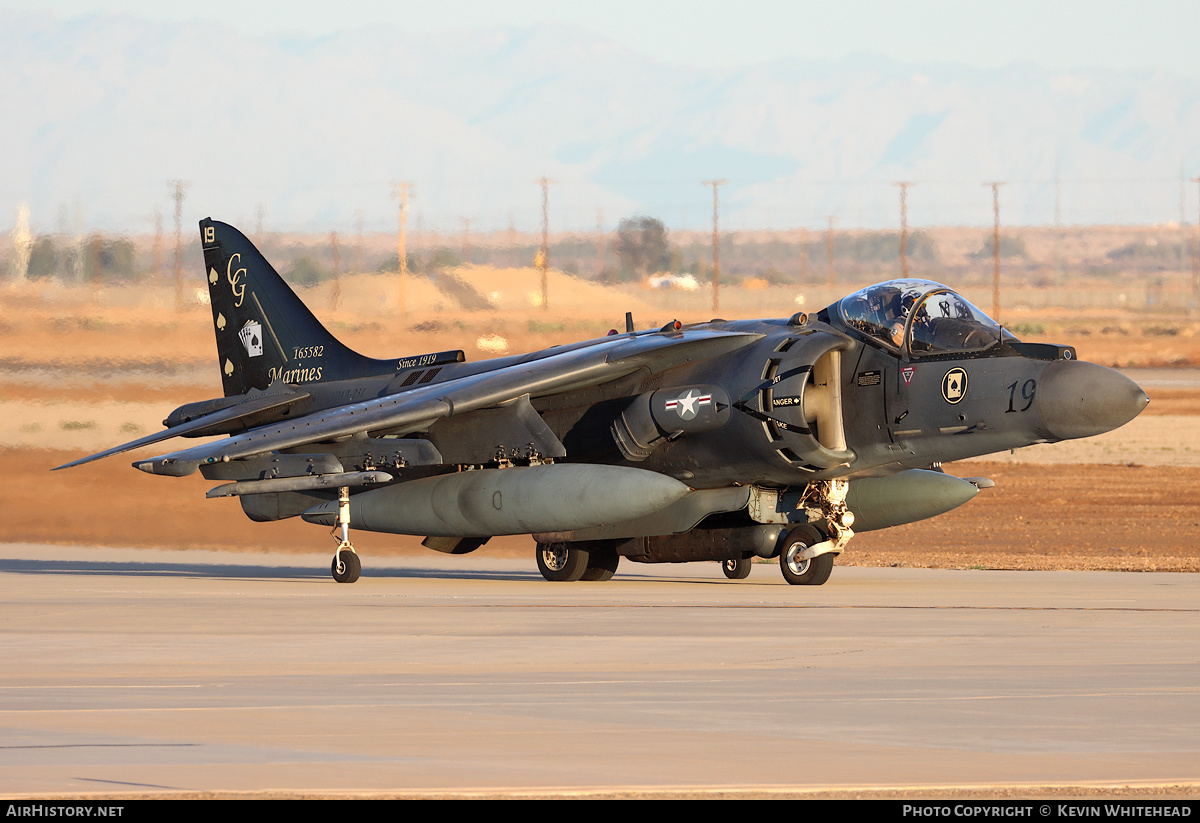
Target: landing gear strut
[
  {"x": 346, "y": 566},
  {"x": 806, "y": 556}
]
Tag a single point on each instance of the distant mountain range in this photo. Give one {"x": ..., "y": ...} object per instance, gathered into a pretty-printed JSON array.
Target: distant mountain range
[{"x": 310, "y": 134}]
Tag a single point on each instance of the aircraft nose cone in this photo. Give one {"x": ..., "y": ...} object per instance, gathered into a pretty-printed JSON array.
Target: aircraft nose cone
[{"x": 1079, "y": 399}]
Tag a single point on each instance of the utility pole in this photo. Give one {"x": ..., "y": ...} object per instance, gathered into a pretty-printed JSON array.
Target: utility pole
[
  {"x": 543, "y": 257},
  {"x": 599, "y": 244},
  {"x": 335, "y": 296},
  {"x": 1059, "y": 269},
  {"x": 996, "y": 248},
  {"x": 466, "y": 239},
  {"x": 1196, "y": 257},
  {"x": 177, "y": 187},
  {"x": 904, "y": 184},
  {"x": 716, "y": 278},
  {"x": 803, "y": 255},
  {"x": 158, "y": 245},
  {"x": 829, "y": 245},
  {"x": 1183, "y": 225},
  {"x": 401, "y": 192},
  {"x": 358, "y": 225},
  {"x": 512, "y": 241}
]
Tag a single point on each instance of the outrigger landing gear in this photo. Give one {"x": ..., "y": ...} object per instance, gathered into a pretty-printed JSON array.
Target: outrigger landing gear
[
  {"x": 346, "y": 565},
  {"x": 736, "y": 568}
]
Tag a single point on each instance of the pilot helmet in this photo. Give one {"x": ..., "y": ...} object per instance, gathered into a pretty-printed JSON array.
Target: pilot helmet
[{"x": 885, "y": 302}]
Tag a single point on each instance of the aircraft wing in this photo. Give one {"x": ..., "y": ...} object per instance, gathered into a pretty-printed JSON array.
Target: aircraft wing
[
  {"x": 416, "y": 409},
  {"x": 259, "y": 403}
]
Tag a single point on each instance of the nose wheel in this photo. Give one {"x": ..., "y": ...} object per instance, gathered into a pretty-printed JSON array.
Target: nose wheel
[
  {"x": 804, "y": 571},
  {"x": 346, "y": 566}
]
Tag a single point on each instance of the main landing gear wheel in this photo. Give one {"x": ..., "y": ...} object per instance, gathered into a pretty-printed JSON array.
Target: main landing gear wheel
[
  {"x": 346, "y": 567},
  {"x": 562, "y": 562},
  {"x": 736, "y": 568},
  {"x": 602, "y": 564},
  {"x": 811, "y": 572}
]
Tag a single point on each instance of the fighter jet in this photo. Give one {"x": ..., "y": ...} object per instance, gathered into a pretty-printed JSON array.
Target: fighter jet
[{"x": 717, "y": 441}]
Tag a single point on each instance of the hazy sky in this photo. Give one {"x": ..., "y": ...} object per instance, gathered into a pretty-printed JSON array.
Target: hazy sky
[{"x": 1060, "y": 34}]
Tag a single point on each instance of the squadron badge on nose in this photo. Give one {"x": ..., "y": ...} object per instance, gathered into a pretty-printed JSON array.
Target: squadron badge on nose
[{"x": 954, "y": 385}]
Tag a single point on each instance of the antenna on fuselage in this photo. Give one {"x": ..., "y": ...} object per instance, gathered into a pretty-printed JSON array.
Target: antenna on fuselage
[{"x": 628, "y": 322}]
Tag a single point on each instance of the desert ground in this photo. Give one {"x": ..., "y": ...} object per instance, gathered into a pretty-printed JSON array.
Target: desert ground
[{"x": 84, "y": 368}]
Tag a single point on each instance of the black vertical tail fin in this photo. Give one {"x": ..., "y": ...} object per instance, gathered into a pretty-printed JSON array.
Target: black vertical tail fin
[{"x": 265, "y": 333}]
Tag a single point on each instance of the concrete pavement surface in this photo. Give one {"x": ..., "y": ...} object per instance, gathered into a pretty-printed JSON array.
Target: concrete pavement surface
[{"x": 132, "y": 672}]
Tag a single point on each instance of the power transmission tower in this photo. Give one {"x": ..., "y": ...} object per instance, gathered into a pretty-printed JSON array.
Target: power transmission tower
[
  {"x": 543, "y": 257},
  {"x": 904, "y": 184},
  {"x": 996, "y": 248},
  {"x": 177, "y": 187},
  {"x": 401, "y": 192},
  {"x": 716, "y": 278}
]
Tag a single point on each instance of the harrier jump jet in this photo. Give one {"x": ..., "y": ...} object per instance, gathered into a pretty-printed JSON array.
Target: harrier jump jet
[{"x": 720, "y": 441}]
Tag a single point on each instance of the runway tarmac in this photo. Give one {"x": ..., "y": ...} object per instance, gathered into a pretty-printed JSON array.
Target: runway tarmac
[{"x": 130, "y": 673}]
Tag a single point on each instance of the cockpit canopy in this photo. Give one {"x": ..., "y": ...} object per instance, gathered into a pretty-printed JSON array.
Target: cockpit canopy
[{"x": 919, "y": 318}]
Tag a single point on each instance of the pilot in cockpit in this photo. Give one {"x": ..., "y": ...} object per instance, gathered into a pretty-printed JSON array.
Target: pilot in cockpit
[
  {"x": 943, "y": 322},
  {"x": 886, "y": 315}
]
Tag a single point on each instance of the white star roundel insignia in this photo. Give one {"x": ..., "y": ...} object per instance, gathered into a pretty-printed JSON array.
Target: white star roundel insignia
[{"x": 686, "y": 404}]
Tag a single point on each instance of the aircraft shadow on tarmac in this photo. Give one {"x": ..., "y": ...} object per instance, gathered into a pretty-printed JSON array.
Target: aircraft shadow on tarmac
[
  {"x": 260, "y": 572},
  {"x": 219, "y": 570}
]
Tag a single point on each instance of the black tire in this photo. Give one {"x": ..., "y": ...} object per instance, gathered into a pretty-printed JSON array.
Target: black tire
[
  {"x": 602, "y": 564},
  {"x": 737, "y": 568},
  {"x": 561, "y": 562},
  {"x": 812, "y": 572},
  {"x": 351, "y": 567}
]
